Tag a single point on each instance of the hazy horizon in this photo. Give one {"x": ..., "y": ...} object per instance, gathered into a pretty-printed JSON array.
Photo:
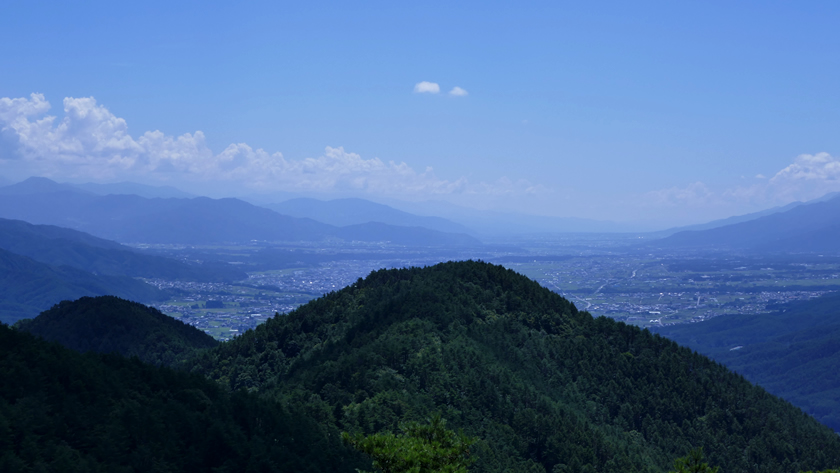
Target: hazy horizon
[{"x": 653, "y": 114}]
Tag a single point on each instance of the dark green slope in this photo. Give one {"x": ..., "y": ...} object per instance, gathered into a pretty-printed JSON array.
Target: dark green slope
[
  {"x": 59, "y": 246},
  {"x": 793, "y": 352},
  {"x": 546, "y": 387},
  {"x": 108, "y": 324},
  {"x": 62, "y": 411},
  {"x": 28, "y": 287}
]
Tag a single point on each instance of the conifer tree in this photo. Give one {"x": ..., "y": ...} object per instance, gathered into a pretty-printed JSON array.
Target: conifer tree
[{"x": 420, "y": 448}]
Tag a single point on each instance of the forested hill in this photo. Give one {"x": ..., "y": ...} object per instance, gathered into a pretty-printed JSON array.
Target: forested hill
[
  {"x": 544, "y": 386},
  {"x": 65, "y": 412},
  {"x": 28, "y": 287},
  {"x": 108, "y": 324},
  {"x": 794, "y": 351}
]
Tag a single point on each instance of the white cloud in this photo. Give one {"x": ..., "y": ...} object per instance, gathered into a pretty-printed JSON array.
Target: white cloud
[
  {"x": 426, "y": 87},
  {"x": 458, "y": 92},
  {"x": 90, "y": 142},
  {"x": 12, "y": 110},
  {"x": 808, "y": 177}
]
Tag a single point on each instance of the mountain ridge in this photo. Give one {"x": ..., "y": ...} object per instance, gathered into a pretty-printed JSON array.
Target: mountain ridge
[
  {"x": 804, "y": 228},
  {"x": 544, "y": 385},
  {"x": 200, "y": 220},
  {"x": 354, "y": 211}
]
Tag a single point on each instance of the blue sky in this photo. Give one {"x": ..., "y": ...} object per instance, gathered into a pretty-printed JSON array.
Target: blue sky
[{"x": 653, "y": 111}]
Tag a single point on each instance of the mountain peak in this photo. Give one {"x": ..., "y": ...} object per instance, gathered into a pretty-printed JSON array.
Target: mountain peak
[
  {"x": 38, "y": 185},
  {"x": 516, "y": 365}
]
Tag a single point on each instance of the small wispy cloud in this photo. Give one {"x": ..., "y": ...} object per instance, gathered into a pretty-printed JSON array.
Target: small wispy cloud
[
  {"x": 692, "y": 195},
  {"x": 458, "y": 92},
  {"x": 426, "y": 88}
]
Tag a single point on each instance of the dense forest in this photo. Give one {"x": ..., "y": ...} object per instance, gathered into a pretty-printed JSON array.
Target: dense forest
[
  {"x": 528, "y": 382},
  {"x": 108, "y": 324},
  {"x": 543, "y": 386},
  {"x": 64, "y": 412},
  {"x": 783, "y": 351}
]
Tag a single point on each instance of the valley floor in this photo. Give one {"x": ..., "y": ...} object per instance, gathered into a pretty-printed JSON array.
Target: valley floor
[{"x": 602, "y": 274}]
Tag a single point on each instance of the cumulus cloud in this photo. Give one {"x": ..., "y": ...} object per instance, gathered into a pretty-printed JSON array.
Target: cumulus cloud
[
  {"x": 426, "y": 88},
  {"x": 91, "y": 142},
  {"x": 810, "y": 176},
  {"x": 458, "y": 92}
]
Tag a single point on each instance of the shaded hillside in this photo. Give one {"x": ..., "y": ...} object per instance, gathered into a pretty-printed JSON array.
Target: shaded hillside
[
  {"x": 812, "y": 227},
  {"x": 108, "y": 324},
  {"x": 28, "y": 287},
  {"x": 544, "y": 386},
  {"x": 793, "y": 352},
  {"x": 59, "y": 246},
  {"x": 344, "y": 212},
  {"x": 62, "y": 411},
  {"x": 729, "y": 220},
  {"x": 198, "y": 221}
]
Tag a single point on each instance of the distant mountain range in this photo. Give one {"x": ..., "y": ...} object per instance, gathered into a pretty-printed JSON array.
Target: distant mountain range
[
  {"x": 746, "y": 217},
  {"x": 496, "y": 223},
  {"x": 809, "y": 227},
  {"x": 201, "y": 220},
  {"x": 344, "y": 212},
  {"x": 38, "y": 185}
]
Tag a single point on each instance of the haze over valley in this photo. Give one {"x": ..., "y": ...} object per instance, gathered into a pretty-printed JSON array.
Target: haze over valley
[{"x": 430, "y": 237}]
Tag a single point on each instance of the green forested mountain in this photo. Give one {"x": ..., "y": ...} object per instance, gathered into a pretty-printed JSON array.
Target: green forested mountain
[
  {"x": 66, "y": 412},
  {"x": 793, "y": 352},
  {"x": 543, "y": 386},
  {"x": 27, "y": 287},
  {"x": 108, "y": 324}
]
